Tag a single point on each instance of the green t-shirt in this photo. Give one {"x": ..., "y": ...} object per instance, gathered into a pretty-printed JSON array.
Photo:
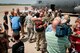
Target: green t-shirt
[{"x": 56, "y": 44}]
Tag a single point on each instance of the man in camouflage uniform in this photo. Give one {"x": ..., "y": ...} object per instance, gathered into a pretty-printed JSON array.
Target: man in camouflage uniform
[
  {"x": 30, "y": 26},
  {"x": 40, "y": 32}
]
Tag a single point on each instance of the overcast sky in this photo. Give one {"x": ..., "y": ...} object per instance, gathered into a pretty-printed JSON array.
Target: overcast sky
[{"x": 18, "y": 1}]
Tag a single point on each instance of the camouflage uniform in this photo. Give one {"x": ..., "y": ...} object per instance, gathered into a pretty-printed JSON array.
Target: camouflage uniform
[
  {"x": 30, "y": 27},
  {"x": 40, "y": 40},
  {"x": 47, "y": 19}
]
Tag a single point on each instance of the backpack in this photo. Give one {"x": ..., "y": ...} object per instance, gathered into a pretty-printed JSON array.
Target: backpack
[
  {"x": 63, "y": 30},
  {"x": 22, "y": 19},
  {"x": 37, "y": 24}
]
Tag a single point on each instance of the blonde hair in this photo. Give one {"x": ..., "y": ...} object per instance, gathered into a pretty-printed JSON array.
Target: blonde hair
[{"x": 66, "y": 17}]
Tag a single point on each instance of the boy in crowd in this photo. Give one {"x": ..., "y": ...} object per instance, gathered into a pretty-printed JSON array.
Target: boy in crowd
[{"x": 18, "y": 47}]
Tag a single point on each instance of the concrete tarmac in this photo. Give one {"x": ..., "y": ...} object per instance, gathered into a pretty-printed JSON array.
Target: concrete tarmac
[{"x": 29, "y": 47}]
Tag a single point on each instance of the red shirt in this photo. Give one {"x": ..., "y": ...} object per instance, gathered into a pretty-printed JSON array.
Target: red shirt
[
  {"x": 77, "y": 46},
  {"x": 76, "y": 39}
]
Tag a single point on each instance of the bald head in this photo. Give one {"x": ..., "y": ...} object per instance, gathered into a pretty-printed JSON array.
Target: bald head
[
  {"x": 56, "y": 22},
  {"x": 58, "y": 18}
]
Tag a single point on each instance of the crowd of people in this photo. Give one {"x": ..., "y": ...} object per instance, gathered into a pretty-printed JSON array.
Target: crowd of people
[{"x": 51, "y": 31}]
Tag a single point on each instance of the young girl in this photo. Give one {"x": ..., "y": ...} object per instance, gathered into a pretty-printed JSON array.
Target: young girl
[{"x": 75, "y": 38}]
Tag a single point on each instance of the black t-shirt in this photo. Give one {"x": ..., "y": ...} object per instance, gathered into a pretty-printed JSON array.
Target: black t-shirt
[
  {"x": 37, "y": 24},
  {"x": 5, "y": 18},
  {"x": 22, "y": 19},
  {"x": 18, "y": 47}
]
